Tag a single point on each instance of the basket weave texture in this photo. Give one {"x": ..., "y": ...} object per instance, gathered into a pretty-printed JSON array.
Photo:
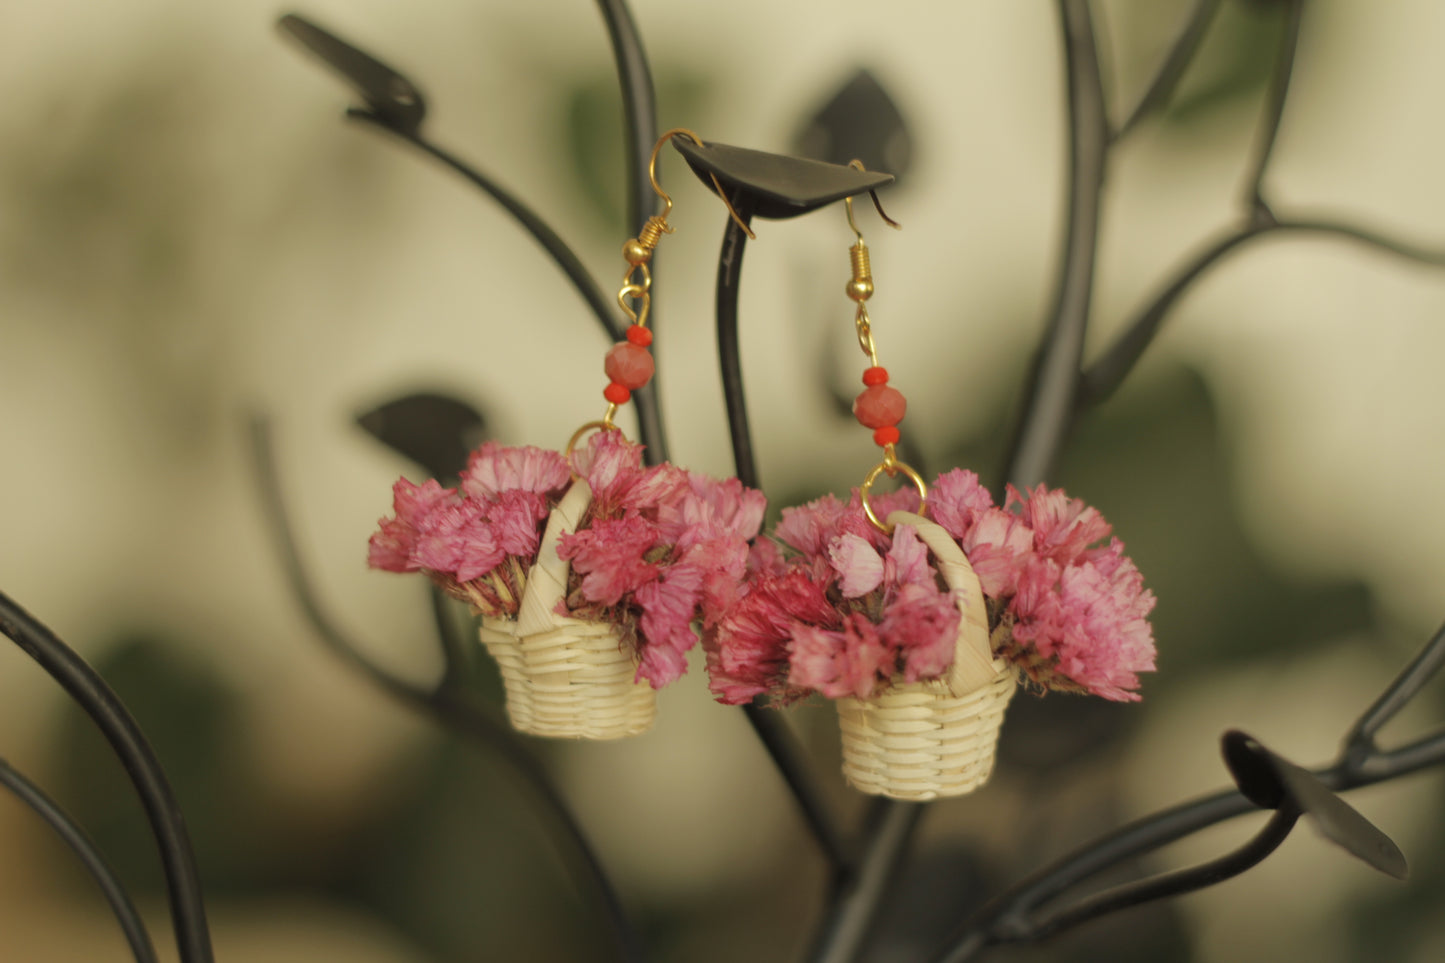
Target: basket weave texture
[
  {"x": 566, "y": 678},
  {"x": 925, "y": 740}
]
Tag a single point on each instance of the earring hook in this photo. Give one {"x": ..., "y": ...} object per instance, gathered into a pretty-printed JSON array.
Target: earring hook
[
  {"x": 857, "y": 164},
  {"x": 667, "y": 201}
]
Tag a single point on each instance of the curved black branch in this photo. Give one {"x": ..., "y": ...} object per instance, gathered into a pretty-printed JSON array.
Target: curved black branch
[
  {"x": 776, "y": 737},
  {"x": 556, "y": 248},
  {"x": 851, "y": 915},
  {"x": 1273, "y": 111},
  {"x": 448, "y": 705},
  {"x": 1177, "y": 883},
  {"x": 81, "y": 844},
  {"x": 1360, "y": 741},
  {"x": 1049, "y": 404},
  {"x": 729, "y": 277},
  {"x": 1166, "y": 80},
  {"x": 1107, "y": 372},
  {"x": 90, "y": 692},
  {"x": 1360, "y": 764},
  {"x": 639, "y": 108}
]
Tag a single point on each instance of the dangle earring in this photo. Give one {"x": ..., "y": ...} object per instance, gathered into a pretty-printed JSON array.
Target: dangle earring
[
  {"x": 920, "y": 628},
  {"x": 588, "y": 570}
]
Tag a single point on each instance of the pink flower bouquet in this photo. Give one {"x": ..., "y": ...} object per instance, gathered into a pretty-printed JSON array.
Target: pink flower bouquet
[
  {"x": 589, "y": 584},
  {"x": 921, "y": 635}
]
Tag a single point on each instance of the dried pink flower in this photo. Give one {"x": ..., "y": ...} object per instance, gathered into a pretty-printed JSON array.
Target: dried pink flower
[
  {"x": 1063, "y": 526},
  {"x": 956, "y": 500},
  {"x": 495, "y": 468},
  {"x": 610, "y": 557},
  {"x": 858, "y": 564},
  {"x": 998, "y": 546},
  {"x": 747, "y": 651},
  {"x": 845, "y": 662},
  {"x": 393, "y": 546}
]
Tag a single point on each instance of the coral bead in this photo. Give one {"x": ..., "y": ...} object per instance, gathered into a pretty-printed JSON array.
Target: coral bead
[
  {"x": 875, "y": 376},
  {"x": 629, "y": 365},
  {"x": 637, "y": 334},
  {"x": 879, "y": 407},
  {"x": 616, "y": 393},
  {"x": 884, "y": 437}
]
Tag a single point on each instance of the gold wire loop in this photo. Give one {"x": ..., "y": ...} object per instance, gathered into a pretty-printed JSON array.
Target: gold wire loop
[
  {"x": 892, "y": 466},
  {"x": 865, "y": 335},
  {"x": 667, "y": 201},
  {"x": 604, "y": 425},
  {"x": 857, "y": 165}
]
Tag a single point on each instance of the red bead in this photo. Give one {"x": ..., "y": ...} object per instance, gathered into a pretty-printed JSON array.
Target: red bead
[
  {"x": 637, "y": 334},
  {"x": 875, "y": 376},
  {"x": 629, "y": 365},
  {"x": 879, "y": 407},
  {"x": 616, "y": 393},
  {"x": 884, "y": 437}
]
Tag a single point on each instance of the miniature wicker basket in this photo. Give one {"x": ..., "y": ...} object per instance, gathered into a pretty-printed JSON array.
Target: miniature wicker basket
[
  {"x": 566, "y": 678},
  {"x": 924, "y": 740}
]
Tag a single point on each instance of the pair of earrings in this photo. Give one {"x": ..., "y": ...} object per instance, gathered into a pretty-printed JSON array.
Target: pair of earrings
[{"x": 917, "y": 611}]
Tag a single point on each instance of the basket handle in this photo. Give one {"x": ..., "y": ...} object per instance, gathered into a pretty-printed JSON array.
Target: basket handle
[
  {"x": 973, "y": 663},
  {"x": 547, "y": 580}
]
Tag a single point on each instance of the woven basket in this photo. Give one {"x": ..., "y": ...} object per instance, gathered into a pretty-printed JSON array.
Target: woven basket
[
  {"x": 925, "y": 740},
  {"x": 566, "y": 678}
]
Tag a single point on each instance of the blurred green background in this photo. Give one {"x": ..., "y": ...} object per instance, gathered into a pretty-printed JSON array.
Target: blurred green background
[{"x": 190, "y": 233}]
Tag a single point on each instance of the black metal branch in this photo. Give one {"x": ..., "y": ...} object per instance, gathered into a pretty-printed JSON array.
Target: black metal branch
[
  {"x": 1177, "y": 883},
  {"x": 1360, "y": 764},
  {"x": 90, "y": 692},
  {"x": 1360, "y": 741},
  {"x": 1104, "y": 375},
  {"x": 602, "y": 308},
  {"x": 448, "y": 705},
  {"x": 729, "y": 277},
  {"x": 1176, "y": 61},
  {"x": 639, "y": 109},
  {"x": 851, "y": 914},
  {"x": 1273, "y": 112},
  {"x": 777, "y": 738},
  {"x": 1049, "y": 405},
  {"x": 59, "y": 820},
  {"x": 649, "y": 419}
]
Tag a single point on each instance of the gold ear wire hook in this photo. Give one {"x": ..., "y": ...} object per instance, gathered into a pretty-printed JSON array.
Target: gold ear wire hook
[
  {"x": 667, "y": 201},
  {"x": 857, "y": 165}
]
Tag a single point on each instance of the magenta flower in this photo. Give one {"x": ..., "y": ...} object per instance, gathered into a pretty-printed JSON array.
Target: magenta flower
[
  {"x": 659, "y": 549},
  {"x": 393, "y": 547},
  {"x": 1069, "y": 614},
  {"x": 494, "y": 468}
]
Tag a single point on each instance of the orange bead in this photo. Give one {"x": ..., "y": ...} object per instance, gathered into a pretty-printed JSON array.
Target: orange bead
[
  {"x": 629, "y": 365},
  {"x": 884, "y": 437},
  {"x": 875, "y": 376},
  {"x": 616, "y": 393},
  {"x": 637, "y": 334},
  {"x": 879, "y": 407}
]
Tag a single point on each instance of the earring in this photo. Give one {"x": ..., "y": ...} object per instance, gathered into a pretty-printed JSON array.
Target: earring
[
  {"x": 587, "y": 569},
  {"x": 919, "y": 627}
]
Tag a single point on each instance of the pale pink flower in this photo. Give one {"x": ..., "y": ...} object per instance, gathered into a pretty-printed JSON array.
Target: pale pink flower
[
  {"x": 811, "y": 528},
  {"x": 857, "y": 563},
  {"x": 708, "y": 508},
  {"x": 907, "y": 560},
  {"x": 747, "y": 651},
  {"x": 609, "y": 556},
  {"x": 956, "y": 500},
  {"x": 723, "y": 563},
  {"x": 921, "y": 623},
  {"x": 836, "y": 663},
  {"x": 457, "y": 540},
  {"x": 1063, "y": 526},
  {"x": 495, "y": 468},
  {"x": 393, "y": 546},
  {"x": 669, "y": 605},
  {"x": 998, "y": 547}
]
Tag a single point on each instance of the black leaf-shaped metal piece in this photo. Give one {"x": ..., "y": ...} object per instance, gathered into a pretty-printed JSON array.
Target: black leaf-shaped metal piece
[
  {"x": 860, "y": 121},
  {"x": 776, "y": 186},
  {"x": 434, "y": 430},
  {"x": 1271, "y": 781},
  {"x": 389, "y": 95}
]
